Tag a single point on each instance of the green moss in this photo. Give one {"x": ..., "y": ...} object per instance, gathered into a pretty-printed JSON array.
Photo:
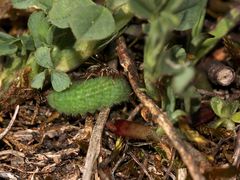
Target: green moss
[{"x": 90, "y": 95}]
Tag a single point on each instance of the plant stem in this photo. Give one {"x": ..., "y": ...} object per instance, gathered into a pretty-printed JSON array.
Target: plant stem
[
  {"x": 157, "y": 114},
  {"x": 217, "y": 72}
]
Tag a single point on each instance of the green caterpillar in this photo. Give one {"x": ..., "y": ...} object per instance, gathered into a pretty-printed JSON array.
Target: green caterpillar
[{"x": 90, "y": 95}]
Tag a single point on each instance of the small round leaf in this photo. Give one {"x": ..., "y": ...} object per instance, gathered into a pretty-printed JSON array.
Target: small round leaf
[
  {"x": 38, "y": 80},
  {"x": 60, "y": 80},
  {"x": 43, "y": 57},
  {"x": 62, "y": 10},
  {"x": 92, "y": 22},
  {"x": 217, "y": 105}
]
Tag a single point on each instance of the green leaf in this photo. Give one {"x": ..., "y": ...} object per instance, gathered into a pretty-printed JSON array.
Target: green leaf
[
  {"x": 4, "y": 37},
  {"x": 229, "y": 125},
  {"x": 230, "y": 108},
  {"x": 66, "y": 60},
  {"x": 24, "y": 43},
  {"x": 114, "y": 4},
  {"x": 177, "y": 114},
  {"x": 7, "y": 49},
  {"x": 217, "y": 105},
  {"x": 38, "y": 80},
  {"x": 226, "y": 23},
  {"x": 191, "y": 98},
  {"x": 233, "y": 106},
  {"x": 143, "y": 8},
  {"x": 215, "y": 124},
  {"x": 40, "y": 29},
  {"x": 8, "y": 73},
  {"x": 180, "y": 81},
  {"x": 23, "y": 4},
  {"x": 44, "y": 4},
  {"x": 32, "y": 63},
  {"x": 197, "y": 28},
  {"x": 60, "y": 80},
  {"x": 198, "y": 40},
  {"x": 221, "y": 29},
  {"x": 92, "y": 22},
  {"x": 27, "y": 42},
  {"x": 170, "y": 100},
  {"x": 189, "y": 13},
  {"x": 224, "y": 108},
  {"x": 61, "y": 11},
  {"x": 7, "y": 46},
  {"x": 43, "y": 57},
  {"x": 86, "y": 48},
  {"x": 152, "y": 9},
  {"x": 121, "y": 12},
  {"x": 236, "y": 117},
  {"x": 157, "y": 60}
]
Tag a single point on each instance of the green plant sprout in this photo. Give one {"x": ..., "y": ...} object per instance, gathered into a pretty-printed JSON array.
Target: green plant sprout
[{"x": 227, "y": 111}]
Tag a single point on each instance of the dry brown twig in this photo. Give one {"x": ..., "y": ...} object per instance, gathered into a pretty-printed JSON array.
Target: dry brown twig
[
  {"x": 95, "y": 144},
  {"x": 134, "y": 112},
  {"x": 10, "y": 123},
  {"x": 160, "y": 117},
  {"x": 118, "y": 164},
  {"x": 17, "y": 169},
  {"x": 8, "y": 175},
  {"x": 12, "y": 152},
  {"x": 236, "y": 155},
  {"x": 141, "y": 165},
  {"x": 217, "y": 72}
]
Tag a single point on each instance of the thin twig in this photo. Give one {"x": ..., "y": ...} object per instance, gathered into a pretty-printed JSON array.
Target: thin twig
[
  {"x": 236, "y": 155},
  {"x": 8, "y": 175},
  {"x": 95, "y": 143},
  {"x": 159, "y": 116},
  {"x": 10, "y": 123},
  {"x": 12, "y": 152},
  {"x": 171, "y": 164},
  {"x": 141, "y": 165},
  {"x": 33, "y": 175},
  {"x": 117, "y": 165},
  {"x": 210, "y": 93},
  {"x": 134, "y": 112},
  {"x": 145, "y": 163},
  {"x": 20, "y": 170},
  {"x": 182, "y": 174}
]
